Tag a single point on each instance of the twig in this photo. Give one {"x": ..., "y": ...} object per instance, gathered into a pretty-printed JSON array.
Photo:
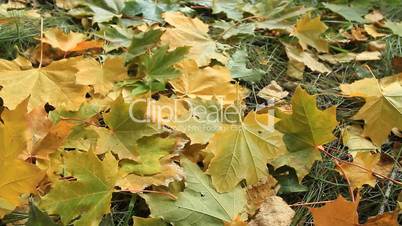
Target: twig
[
  {"x": 310, "y": 203},
  {"x": 379, "y": 175},
  {"x": 347, "y": 180},
  {"x": 41, "y": 42}
]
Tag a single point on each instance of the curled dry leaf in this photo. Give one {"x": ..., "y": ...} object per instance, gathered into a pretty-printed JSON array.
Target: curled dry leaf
[
  {"x": 273, "y": 91},
  {"x": 372, "y": 31},
  {"x": 273, "y": 211},
  {"x": 353, "y": 138},
  {"x": 258, "y": 193}
]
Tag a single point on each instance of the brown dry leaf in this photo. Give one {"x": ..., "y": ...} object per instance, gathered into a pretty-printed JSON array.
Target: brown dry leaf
[
  {"x": 308, "y": 31},
  {"x": 348, "y": 57},
  {"x": 101, "y": 76},
  {"x": 385, "y": 219},
  {"x": 258, "y": 193},
  {"x": 397, "y": 64},
  {"x": 273, "y": 91},
  {"x": 274, "y": 211},
  {"x": 45, "y": 137},
  {"x": 374, "y": 16},
  {"x": 358, "y": 34},
  {"x": 297, "y": 57},
  {"x": 353, "y": 138},
  {"x": 67, "y": 4},
  {"x": 206, "y": 83},
  {"x": 357, "y": 176},
  {"x": 338, "y": 212},
  {"x": 85, "y": 45},
  {"x": 372, "y": 31},
  {"x": 191, "y": 32}
]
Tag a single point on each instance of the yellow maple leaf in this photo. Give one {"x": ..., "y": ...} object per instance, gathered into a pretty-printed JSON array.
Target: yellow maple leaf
[
  {"x": 241, "y": 151},
  {"x": 308, "y": 31},
  {"x": 64, "y": 41},
  {"x": 101, "y": 76},
  {"x": 383, "y": 108},
  {"x": 191, "y": 32},
  {"x": 54, "y": 84},
  {"x": 206, "y": 83},
  {"x": 17, "y": 177}
]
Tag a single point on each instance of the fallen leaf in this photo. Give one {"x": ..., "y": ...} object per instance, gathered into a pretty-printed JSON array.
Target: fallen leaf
[
  {"x": 308, "y": 31},
  {"x": 238, "y": 67},
  {"x": 349, "y": 57},
  {"x": 383, "y": 108},
  {"x": 358, "y": 34},
  {"x": 194, "y": 33},
  {"x": 350, "y": 13},
  {"x": 89, "y": 196},
  {"x": 338, "y": 212},
  {"x": 395, "y": 27},
  {"x": 101, "y": 76},
  {"x": 232, "y": 9},
  {"x": 274, "y": 211},
  {"x": 252, "y": 140},
  {"x": 54, "y": 84},
  {"x": 385, "y": 219},
  {"x": 199, "y": 204},
  {"x": 206, "y": 83},
  {"x": 353, "y": 138},
  {"x": 297, "y": 55},
  {"x": 305, "y": 129},
  {"x": 139, "y": 221},
  {"x": 374, "y": 16},
  {"x": 258, "y": 193},
  {"x": 372, "y": 31},
  {"x": 273, "y": 91},
  {"x": 231, "y": 29},
  {"x": 64, "y": 41}
]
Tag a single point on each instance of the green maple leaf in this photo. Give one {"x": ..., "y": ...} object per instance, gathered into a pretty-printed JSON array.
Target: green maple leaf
[
  {"x": 238, "y": 68},
  {"x": 38, "y": 218},
  {"x": 89, "y": 196},
  {"x": 305, "y": 129},
  {"x": 199, "y": 203},
  {"x": 159, "y": 65},
  {"x": 104, "y": 10},
  {"x": 124, "y": 131},
  {"x": 140, "y": 43},
  {"x": 149, "y": 151}
]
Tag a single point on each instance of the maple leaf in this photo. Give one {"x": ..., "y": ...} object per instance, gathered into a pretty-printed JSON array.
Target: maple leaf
[
  {"x": 298, "y": 58},
  {"x": 238, "y": 67},
  {"x": 159, "y": 65},
  {"x": 149, "y": 151},
  {"x": 200, "y": 122},
  {"x": 199, "y": 204},
  {"x": 46, "y": 137},
  {"x": 308, "y": 31},
  {"x": 124, "y": 131},
  {"x": 305, "y": 129},
  {"x": 104, "y": 10},
  {"x": 231, "y": 29},
  {"x": 38, "y": 218},
  {"x": 169, "y": 172},
  {"x": 140, "y": 43},
  {"x": 385, "y": 219},
  {"x": 350, "y": 13},
  {"x": 17, "y": 177},
  {"x": 241, "y": 151},
  {"x": 383, "y": 108},
  {"x": 273, "y": 91},
  {"x": 206, "y": 83},
  {"x": 353, "y": 138},
  {"x": 232, "y": 9},
  {"x": 338, "y": 212},
  {"x": 359, "y": 177},
  {"x": 58, "y": 39},
  {"x": 101, "y": 76},
  {"x": 54, "y": 84},
  {"x": 395, "y": 27},
  {"x": 193, "y": 33},
  {"x": 89, "y": 196}
]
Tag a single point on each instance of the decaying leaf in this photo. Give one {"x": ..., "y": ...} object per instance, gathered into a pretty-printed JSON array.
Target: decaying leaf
[
  {"x": 258, "y": 193},
  {"x": 194, "y": 33},
  {"x": 274, "y": 211},
  {"x": 372, "y": 31},
  {"x": 273, "y": 91},
  {"x": 385, "y": 219}
]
